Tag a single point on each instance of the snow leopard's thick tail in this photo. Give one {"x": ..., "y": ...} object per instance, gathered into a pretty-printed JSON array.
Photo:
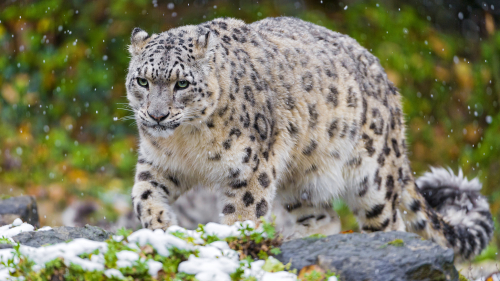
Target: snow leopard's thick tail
[{"x": 457, "y": 215}]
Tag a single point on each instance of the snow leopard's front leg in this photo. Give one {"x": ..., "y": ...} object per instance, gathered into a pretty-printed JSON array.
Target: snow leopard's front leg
[
  {"x": 152, "y": 192},
  {"x": 248, "y": 196}
]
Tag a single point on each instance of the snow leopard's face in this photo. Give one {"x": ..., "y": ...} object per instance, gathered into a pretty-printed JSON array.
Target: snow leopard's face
[{"x": 171, "y": 79}]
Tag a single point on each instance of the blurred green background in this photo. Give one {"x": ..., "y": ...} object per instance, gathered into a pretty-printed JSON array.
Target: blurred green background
[{"x": 64, "y": 133}]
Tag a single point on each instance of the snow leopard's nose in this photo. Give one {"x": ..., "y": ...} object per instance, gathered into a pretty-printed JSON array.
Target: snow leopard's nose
[{"x": 158, "y": 116}]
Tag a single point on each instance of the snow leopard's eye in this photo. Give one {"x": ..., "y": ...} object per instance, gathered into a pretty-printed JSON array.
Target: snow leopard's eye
[
  {"x": 143, "y": 82},
  {"x": 181, "y": 84}
]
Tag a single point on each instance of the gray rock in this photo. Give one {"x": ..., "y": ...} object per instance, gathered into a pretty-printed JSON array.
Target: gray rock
[
  {"x": 5, "y": 246},
  {"x": 23, "y": 207},
  {"x": 61, "y": 234},
  {"x": 372, "y": 257}
]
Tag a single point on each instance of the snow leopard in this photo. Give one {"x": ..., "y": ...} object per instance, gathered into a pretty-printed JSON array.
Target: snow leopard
[{"x": 283, "y": 110}]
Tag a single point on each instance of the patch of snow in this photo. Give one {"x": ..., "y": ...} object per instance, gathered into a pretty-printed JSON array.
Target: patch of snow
[
  {"x": 4, "y": 274},
  {"x": 255, "y": 269},
  {"x": 154, "y": 267},
  {"x": 69, "y": 250},
  {"x": 189, "y": 233},
  {"x": 209, "y": 252},
  {"x": 221, "y": 231},
  {"x": 118, "y": 238},
  {"x": 212, "y": 275},
  {"x": 221, "y": 245},
  {"x": 159, "y": 240},
  {"x": 45, "y": 228},
  {"x": 17, "y": 222},
  {"x": 84, "y": 263},
  {"x": 98, "y": 258},
  {"x": 114, "y": 273},
  {"x": 4, "y": 228},
  {"x": 196, "y": 265},
  {"x": 5, "y": 255},
  {"x": 225, "y": 250},
  {"x": 123, "y": 264},
  {"x": 127, "y": 256},
  {"x": 279, "y": 276},
  {"x": 15, "y": 230}
]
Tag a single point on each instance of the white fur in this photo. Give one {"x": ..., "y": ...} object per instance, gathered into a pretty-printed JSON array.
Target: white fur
[{"x": 438, "y": 177}]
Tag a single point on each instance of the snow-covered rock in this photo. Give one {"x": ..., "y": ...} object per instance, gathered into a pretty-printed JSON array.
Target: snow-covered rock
[{"x": 15, "y": 228}]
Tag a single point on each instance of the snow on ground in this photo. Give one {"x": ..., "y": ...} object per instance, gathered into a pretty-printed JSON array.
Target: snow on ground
[{"x": 213, "y": 261}]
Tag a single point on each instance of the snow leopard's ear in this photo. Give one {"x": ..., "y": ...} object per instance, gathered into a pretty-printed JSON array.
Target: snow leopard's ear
[
  {"x": 203, "y": 38},
  {"x": 205, "y": 44},
  {"x": 138, "y": 40}
]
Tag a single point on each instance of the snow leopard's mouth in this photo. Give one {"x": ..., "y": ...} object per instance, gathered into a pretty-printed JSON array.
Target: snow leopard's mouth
[{"x": 159, "y": 127}]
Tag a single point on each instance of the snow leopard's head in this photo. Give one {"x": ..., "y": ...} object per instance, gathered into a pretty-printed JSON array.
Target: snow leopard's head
[{"x": 171, "y": 78}]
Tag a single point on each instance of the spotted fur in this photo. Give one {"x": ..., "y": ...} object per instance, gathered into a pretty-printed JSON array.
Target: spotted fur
[
  {"x": 280, "y": 109},
  {"x": 468, "y": 223}
]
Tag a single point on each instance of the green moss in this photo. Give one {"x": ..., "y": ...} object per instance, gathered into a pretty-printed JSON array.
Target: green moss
[
  {"x": 397, "y": 243},
  {"x": 315, "y": 236}
]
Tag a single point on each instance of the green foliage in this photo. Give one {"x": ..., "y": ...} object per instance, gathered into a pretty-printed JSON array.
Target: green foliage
[
  {"x": 124, "y": 232},
  {"x": 113, "y": 248},
  {"x": 209, "y": 238},
  {"x": 238, "y": 274},
  {"x": 490, "y": 253},
  {"x": 256, "y": 243},
  {"x": 313, "y": 276},
  {"x": 5, "y": 240},
  {"x": 171, "y": 262},
  {"x": 275, "y": 251},
  {"x": 273, "y": 265},
  {"x": 138, "y": 270},
  {"x": 269, "y": 228},
  {"x": 330, "y": 273},
  {"x": 179, "y": 234},
  {"x": 19, "y": 262},
  {"x": 89, "y": 255}
]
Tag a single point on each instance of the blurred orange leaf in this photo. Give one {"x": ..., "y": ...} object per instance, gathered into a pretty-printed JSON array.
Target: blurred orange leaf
[
  {"x": 463, "y": 72},
  {"x": 438, "y": 46},
  {"x": 78, "y": 176},
  {"x": 56, "y": 192},
  {"x": 442, "y": 73},
  {"x": 309, "y": 270},
  {"x": 394, "y": 77},
  {"x": 10, "y": 94},
  {"x": 489, "y": 23}
]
